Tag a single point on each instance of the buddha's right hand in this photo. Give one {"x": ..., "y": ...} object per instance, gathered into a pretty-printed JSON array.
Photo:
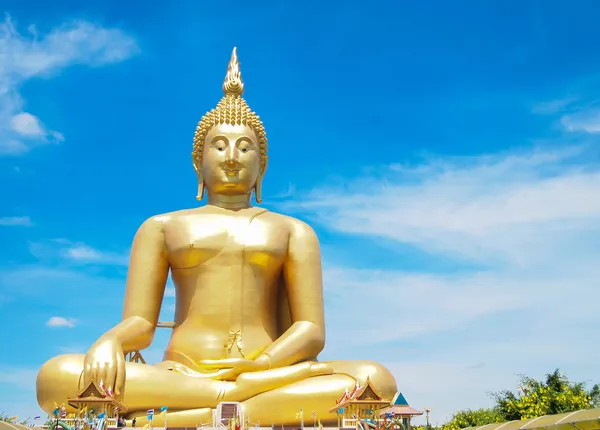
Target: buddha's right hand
[{"x": 104, "y": 363}]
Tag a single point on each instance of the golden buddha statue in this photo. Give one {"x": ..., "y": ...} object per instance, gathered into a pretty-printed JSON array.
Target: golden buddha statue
[{"x": 249, "y": 319}]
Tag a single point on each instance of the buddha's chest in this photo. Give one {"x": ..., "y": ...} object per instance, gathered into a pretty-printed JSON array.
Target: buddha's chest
[{"x": 225, "y": 240}]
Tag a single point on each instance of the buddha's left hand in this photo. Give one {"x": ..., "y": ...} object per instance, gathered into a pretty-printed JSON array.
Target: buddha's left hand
[{"x": 244, "y": 366}]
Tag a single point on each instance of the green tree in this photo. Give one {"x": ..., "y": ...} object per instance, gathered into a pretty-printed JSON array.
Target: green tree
[
  {"x": 472, "y": 418},
  {"x": 555, "y": 395},
  {"x": 430, "y": 427}
]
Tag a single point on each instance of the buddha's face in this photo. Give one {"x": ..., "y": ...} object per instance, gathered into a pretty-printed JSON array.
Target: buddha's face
[{"x": 231, "y": 160}]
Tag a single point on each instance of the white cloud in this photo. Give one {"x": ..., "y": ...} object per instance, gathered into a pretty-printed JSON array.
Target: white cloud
[
  {"x": 27, "y": 125},
  {"x": 554, "y": 106},
  {"x": 16, "y": 220},
  {"x": 38, "y": 54},
  {"x": 76, "y": 252},
  {"x": 508, "y": 208},
  {"x": 575, "y": 113},
  {"x": 522, "y": 232},
  {"x": 60, "y": 322},
  {"x": 430, "y": 303},
  {"x": 83, "y": 252},
  {"x": 586, "y": 120}
]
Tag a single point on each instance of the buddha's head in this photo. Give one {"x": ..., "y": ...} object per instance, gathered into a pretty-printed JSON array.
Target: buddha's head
[{"x": 230, "y": 144}]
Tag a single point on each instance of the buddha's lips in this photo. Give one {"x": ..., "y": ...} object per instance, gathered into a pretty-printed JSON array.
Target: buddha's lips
[{"x": 231, "y": 172}]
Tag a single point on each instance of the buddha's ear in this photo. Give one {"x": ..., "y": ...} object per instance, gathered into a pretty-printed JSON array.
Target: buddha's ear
[
  {"x": 258, "y": 185},
  {"x": 258, "y": 189},
  {"x": 198, "y": 170}
]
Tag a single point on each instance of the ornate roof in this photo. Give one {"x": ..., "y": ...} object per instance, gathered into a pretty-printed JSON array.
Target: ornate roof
[
  {"x": 92, "y": 390},
  {"x": 367, "y": 392},
  {"x": 399, "y": 406},
  {"x": 367, "y": 395},
  {"x": 94, "y": 394},
  {"x": 399, "y": 400}
]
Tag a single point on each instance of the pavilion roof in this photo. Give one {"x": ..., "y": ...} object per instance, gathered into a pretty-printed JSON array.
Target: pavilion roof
[
  {"x": 366, "y": 395},
  {"x": 403, "y": 410}
]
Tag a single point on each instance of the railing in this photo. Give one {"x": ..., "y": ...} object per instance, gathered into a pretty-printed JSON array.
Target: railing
[
  {"x": 110, "y": 422},
  {"x": 165, "y": 324},
  {"x": 349, "y": 422}
]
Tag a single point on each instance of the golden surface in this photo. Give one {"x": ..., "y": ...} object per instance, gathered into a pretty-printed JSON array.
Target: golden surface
[{"x": 249, "y": 314}]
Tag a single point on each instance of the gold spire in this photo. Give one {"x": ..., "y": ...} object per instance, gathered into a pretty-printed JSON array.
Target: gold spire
[
  {"x": 233, "y": 84},
  {"x": 232, "y": 109}
]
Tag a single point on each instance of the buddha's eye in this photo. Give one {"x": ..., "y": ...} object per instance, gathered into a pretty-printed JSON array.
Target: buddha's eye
[
  {"x": 220, "y": 148},
  {"x": 245, "y": 147}
]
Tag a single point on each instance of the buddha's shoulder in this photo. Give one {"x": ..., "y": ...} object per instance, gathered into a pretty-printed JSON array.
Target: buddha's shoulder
[
  {"x": 294, "y": 225},
  {"x": 162, "y": 220}
]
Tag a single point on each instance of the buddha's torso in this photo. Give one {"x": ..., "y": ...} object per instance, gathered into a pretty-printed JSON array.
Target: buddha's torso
[{"x": 226, "y": 267}]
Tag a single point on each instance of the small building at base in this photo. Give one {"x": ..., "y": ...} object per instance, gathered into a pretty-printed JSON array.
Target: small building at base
[
  {"x": 365, "y": 406},
  {"x": 399, "y": 408}
]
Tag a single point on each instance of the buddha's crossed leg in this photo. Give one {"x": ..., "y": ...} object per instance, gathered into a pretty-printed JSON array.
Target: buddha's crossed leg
[
  {"x": 150, "y": 386},
  {"x": 281, "y": 404}
]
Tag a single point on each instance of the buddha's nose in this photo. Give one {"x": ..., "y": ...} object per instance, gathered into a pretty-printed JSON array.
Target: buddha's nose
[{"x": 230, "y": 157}]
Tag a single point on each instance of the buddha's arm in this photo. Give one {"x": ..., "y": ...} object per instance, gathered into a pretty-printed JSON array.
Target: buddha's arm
[
  {"x": 146, "y": 281},
  {"x": 305, "y": 339}
]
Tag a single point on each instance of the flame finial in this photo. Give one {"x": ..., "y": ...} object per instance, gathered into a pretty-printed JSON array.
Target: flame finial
[
  {"x": 233, "y": 84},
  {"x": 232, "y": 109}
]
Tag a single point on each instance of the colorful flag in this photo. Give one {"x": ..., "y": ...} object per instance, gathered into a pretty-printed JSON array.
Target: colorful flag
[
  {"x": 150, "y": 412},
  {"x": 102, "y": 415},
  {"x": 15, "y": 418},
  {"x": 164, "y": 409},
  {"x": 37, "y": 418}
]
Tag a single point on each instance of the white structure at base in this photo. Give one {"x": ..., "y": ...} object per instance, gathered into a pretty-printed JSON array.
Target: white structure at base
[{"x": 225, "y": 411}]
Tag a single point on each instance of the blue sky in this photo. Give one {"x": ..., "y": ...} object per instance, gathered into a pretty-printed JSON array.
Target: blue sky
[{"x": 446, "y": 154}]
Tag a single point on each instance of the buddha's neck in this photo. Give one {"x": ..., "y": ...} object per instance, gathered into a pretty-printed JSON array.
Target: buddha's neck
[{"x": 230, "y": 202}]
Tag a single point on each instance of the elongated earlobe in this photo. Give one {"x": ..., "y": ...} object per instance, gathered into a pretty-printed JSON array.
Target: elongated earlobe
[
  {"x": 200, "y": 195},
  {"x": 258, "y": 190},
  {"x": 197, "y": 168}
]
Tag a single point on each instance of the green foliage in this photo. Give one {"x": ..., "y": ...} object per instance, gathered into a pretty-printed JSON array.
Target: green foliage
[
  {"x": 554, "y": 395},
  {"x": 471, "y": 418}
]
